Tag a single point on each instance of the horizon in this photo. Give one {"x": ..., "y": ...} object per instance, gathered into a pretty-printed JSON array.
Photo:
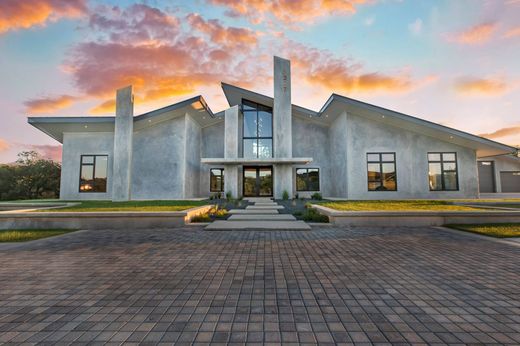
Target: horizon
[{"x": 68, "y": 58}]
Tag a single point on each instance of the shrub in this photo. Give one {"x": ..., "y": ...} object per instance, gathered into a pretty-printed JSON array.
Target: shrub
[
  {"x": 229, "y": 196},
  {"x": 201, "y": 218},
  {"x": 312, "y": 215},
  {"x": 285, "y": 195},
  {"x": 317, "y": 196}
]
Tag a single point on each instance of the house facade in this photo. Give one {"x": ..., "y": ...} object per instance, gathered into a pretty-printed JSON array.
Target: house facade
[{"x": 267, "y": 146}]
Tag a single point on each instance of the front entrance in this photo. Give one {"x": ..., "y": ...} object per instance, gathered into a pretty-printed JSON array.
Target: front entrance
[
  {"x": 258, "y": 181},
  {"x": 486, "y": 176}
]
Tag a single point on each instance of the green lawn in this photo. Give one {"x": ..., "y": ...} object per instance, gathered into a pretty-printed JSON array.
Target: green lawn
[
  {"x": 91, "y": 206},
  {"x": 498, "y": 230},
  {"x": 8, "y": 236},
  {"x": 396, "y": 205}
]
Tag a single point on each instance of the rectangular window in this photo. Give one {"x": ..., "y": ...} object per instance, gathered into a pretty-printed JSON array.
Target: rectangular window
[
  {"x": 257, "y": 130},
  {"x": 216, "y": 180},
  {"x": 307, "y": 179},
  {"x": 381, "y": 172},
  {"x": 442, "y": 172},
  {"x": 93, "y": 173}
]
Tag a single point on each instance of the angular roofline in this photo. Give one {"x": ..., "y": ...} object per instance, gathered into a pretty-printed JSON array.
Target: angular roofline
[{"x": 431, "y": 124}]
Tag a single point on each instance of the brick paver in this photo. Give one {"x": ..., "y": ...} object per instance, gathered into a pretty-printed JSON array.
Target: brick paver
[{"x": 326, "y": 286}]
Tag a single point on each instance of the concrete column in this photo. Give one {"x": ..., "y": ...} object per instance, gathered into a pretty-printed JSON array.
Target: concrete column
[
  {"x": 123, "y": 137},
  {"x": 231, "y": 180},
  {"x": 231, "y": 136},
  {"x": 282, "y": 126},
  {"x": 282, "y": 122}
]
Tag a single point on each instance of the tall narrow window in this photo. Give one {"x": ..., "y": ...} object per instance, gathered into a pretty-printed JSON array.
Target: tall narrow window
[
  {"x": 257, "y": 130},
  {"x": 381, "y": 172},
  {"x": 442, "y": 171},
  {"x": 216, "y": 180},
  {"x": 93, "y": 173},
  {"x": 307, "y": 179}
]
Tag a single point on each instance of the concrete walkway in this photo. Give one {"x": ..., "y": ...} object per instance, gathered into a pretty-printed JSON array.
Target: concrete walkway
[{"x": 262, "y": 215}]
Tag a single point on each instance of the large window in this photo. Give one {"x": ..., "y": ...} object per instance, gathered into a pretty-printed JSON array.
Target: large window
[
  {"x": 381, "y": 172},
  {"x": 307, "y": 179},
  {"x": 257, "y": 130},
  {"x": 216, "y": 180},
  {"x": 93, "y": 173},
  {"x": 442, "y": 171}
]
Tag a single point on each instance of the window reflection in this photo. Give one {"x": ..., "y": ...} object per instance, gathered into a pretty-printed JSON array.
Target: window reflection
[
  {"x": 442, "y": 171},
  {"x": 93, "y": 173},
  {"x": 258, "y": 130},
  {"x": 381, "y": 172}
]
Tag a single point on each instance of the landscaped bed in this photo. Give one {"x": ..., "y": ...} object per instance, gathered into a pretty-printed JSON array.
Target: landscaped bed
[
  {"x": 100, "y": 206},
  {"x": 397, "y": 205},
  {"x": 497, "y": 230},
  {"x": 9, "y": 236}
]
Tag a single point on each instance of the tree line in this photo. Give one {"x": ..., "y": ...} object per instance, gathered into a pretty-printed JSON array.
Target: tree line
[{"x": 30, "y": 177}]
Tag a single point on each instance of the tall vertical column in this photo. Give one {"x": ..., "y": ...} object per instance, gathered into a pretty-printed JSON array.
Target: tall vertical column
[
  {"x": 282, "y": 126},
  {"x": 123, "y": 138},
  {"x": 231, "y": 139}
]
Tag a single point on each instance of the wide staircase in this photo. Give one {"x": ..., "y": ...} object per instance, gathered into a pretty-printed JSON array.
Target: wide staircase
[{"x": 263, "y": 214}]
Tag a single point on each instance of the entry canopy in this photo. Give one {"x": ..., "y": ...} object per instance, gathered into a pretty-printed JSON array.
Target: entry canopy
[{"x": 337, "y": 104}]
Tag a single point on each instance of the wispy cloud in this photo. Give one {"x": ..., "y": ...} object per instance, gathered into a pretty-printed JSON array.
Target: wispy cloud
[
  {"x": 49, "y": 104},
  {"x": 513, "y": 32},
  {"x": 503, "y": 132},
  {"x": 52, "y": 152},
  {"x": 480, "y": 86},
  {"x": 21, "y": 14},
  {"x": 416, "y": 27},
  {"x": 477, "y": 34},
  {"x": 4, "y": 145}
]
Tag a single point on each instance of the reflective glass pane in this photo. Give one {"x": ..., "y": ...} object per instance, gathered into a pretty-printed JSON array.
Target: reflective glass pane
[
  {"x": 87, "y": 159},
  {"x": 434, "y": 174},
  {"x": 265, "y": 124},
  {"x": 450, "y": 180},
  {"x": 249, "y": 124},
  {"x": 450, "y": 166},
  {"x": 265, "y": 177},
  {"x": 249, "y": 181},
  {"x": 265, "y": 148},
  {"x": 246, "y": 105},
  {"x": 374, "y": 173},
  {"x": 373, "y": 157},
  {"x": 388, "y": 157},
  {"x": 250, "y": 148},
  {"x": 301, "y": 182},
  {"x": 216, "y": 180},
  {"x": 87, "y": 172},
  {"x": 448, "y": 156},
  {"x": 313, "y": 179},
  {"x": 434, "y": 157},
  {"x": 374, "y": 186},
  {"x": 101, "y": 167},
  {"x": 389, "y": 177}
]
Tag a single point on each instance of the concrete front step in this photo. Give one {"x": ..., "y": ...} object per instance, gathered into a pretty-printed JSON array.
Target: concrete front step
[
  {"x": 253, "y": 211},
  {"x": 260, "y": 207},
  {"x": 261, "y": 217},
  {"x": 263, "y": 204},
  {"x": 263, "y": 225},
  {"x": 258, "y": 199}
]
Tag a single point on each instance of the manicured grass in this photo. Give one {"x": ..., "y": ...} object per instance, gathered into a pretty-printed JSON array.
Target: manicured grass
[
  {"x": 96, "y": 206},
  {"x": 498, "y": 230},
  {"x": 18, "y": 235},
  {"x": 397, "y": 205}
]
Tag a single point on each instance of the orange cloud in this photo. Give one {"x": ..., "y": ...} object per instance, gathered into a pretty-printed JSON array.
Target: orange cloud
[
  {"x": 513, "y": 32},
  {"x": 19, "y": 14},
  {"x": 503, "y": 132},
  {"x": 106, "y": 107},
  {"x": 480, "y": 86},
  {"x": 477, "y": 34},
  {"x": 228, "y": 36},
  {"x": 49, "y": 104},
  {"x": 288, "y": 11},
  {"x": 4, "y": 145}
]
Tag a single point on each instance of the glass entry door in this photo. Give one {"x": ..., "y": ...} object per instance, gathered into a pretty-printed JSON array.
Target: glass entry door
[{"x": 258, "y": 181}]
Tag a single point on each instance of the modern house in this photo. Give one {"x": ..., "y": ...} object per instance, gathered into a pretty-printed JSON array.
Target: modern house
[{"x": 263, "y": 146}]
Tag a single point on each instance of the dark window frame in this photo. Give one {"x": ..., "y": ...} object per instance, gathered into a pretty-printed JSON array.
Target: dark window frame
[
  {"x": 257, "y": 107},
  {"x": 442, "y": 161},
  {"x": 381, "y": 162},
  {"x": 93, "y": 164},
  {"x": 307, "y": 180},
  {"x": 222, "y": 180}
]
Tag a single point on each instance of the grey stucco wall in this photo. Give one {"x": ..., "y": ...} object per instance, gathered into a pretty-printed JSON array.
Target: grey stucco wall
[
  {"x": 159, "y": 161},
  {"x": 192, "y": 169},
  {"x": 338, "y": 157},
  {"x": 75, "y": 145},
  {"x": 411, "y": 150},
  {"x": 212, "y": 145},
  {"x": 311, "y": 139}
]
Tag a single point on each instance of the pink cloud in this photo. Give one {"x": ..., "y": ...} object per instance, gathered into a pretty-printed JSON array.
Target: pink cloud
[
  {"x": 51, "y": 152},
  {"x": 49, "y": 104},
  {"x": 503, "y": 132},
  {"x": 4, "y": 145},
  {"x": 20, "y": 14},
  {"x": 513, "y": 32},
  {"x": 480, "y": 86},
  {"x": 475, "y": 35}
]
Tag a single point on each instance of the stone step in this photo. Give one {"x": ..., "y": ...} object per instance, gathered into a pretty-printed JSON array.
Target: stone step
[
  {"x": 261, "y": 217},
  {"x": 262, "y": 204},
  {"x": 260, "y": 207},
  {"x": 258, "y": 199},
  {"x": 260, "y": 225},
  {"x": 253, "y": 211}
]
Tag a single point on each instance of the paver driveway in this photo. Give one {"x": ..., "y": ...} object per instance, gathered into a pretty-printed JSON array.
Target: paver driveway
[{"x": 324, "y": 286}]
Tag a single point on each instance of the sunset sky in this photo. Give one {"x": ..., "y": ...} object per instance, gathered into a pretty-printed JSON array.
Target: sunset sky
[{"x": 456, "y": 63}]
